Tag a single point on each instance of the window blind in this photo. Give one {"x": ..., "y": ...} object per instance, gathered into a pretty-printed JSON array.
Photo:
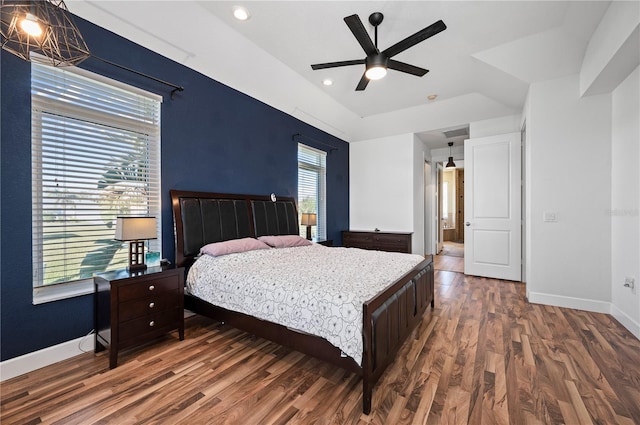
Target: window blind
[
  {"x": 311, "y": 188},
  {"x": 95, "y": 156}
]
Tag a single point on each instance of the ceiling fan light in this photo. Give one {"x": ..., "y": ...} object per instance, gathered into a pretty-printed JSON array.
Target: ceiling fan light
[
  {"x": 376, "y": 72},
  {"x": 31, "y": 26}
]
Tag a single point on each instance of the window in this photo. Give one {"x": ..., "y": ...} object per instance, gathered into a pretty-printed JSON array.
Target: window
[
  {"x": 95, "y": 156},
  {"x": 311, "y": 189}
]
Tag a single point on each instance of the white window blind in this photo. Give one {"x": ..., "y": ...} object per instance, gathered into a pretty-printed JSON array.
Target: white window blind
[
  {"x": 312, "y": 165},
  {"x": 95, "y": 156}
]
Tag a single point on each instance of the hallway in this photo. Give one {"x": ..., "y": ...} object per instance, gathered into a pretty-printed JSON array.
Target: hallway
[{"x": 451, "y": 258}]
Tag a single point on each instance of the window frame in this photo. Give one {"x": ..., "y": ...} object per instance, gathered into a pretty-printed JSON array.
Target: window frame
[
  {"x": 42, "y": 107},
  {"x": 321, "y": 190}
]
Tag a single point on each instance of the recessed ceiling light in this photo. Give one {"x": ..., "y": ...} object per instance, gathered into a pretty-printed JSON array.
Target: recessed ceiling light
[
  {"x": 432, "y": 96},
  {"x": 327, "y": 81},
  {"x": 241, "y": 13}
]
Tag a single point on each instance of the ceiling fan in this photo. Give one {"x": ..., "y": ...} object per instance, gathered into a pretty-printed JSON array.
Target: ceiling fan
[{"x": 376, "y": 61}]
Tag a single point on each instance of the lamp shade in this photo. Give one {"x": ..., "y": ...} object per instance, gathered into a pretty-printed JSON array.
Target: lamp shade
[
  {"x": 135, "y": 228},
  {"x": 450, "y": 164},
  {"x": 308, "y": 219},
  {"x": 42, "y": 26}
]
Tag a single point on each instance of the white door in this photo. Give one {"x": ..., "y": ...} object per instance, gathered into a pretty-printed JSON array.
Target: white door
[{"x": 492, "y": 191}]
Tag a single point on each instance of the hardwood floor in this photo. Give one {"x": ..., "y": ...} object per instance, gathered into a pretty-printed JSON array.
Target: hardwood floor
[
  {"x": 483, "y": 356},
  {"x": 452, "y": 249},
  {"x": 449, "y": 263}
]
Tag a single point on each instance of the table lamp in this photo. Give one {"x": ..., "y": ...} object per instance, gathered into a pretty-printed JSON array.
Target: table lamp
[
  {"x": 308, "y": 219},
  {"x": 136, "y": 230}
]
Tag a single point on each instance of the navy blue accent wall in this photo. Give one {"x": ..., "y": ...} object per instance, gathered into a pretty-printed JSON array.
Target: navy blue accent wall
[{"x": 214, "y": 138}]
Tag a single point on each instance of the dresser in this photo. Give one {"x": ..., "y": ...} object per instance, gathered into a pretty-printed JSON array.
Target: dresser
[
  {"x": 132, "y": 308},
  {"x": 379, "y": 241}
]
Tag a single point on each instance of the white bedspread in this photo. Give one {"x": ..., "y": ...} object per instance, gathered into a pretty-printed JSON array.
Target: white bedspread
[{"x": 314, "y": 289}]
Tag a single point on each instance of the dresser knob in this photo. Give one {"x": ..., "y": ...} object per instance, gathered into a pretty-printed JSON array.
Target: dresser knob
[
  {"x": 151, "y": 287},
  {"x": 151, "y": 305},
  {"x": 152, "y": 323}
]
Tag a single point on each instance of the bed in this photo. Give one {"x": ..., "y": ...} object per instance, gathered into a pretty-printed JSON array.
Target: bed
[{"x": 388, "y": 317}]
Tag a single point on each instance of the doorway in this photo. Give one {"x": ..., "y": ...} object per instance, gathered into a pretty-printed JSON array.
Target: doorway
[
  {"x": 452, "y": 211},
  {"x": 451, "y": 218}
]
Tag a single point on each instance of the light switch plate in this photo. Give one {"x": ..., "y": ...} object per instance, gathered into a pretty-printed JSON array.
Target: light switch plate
[{"x": 549, "y": 217}]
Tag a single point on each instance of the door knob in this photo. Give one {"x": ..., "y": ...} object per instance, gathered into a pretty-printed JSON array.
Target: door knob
[{"x": 467, "y": 224}]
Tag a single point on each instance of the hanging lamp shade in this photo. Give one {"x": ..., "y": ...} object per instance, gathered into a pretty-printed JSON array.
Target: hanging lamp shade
[
  {"x": 450, "y": 163},
  {"x": 41, "y": 26}
]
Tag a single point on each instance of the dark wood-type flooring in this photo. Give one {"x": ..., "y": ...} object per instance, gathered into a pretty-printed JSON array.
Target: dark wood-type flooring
[{"x": 484, "y": 356}]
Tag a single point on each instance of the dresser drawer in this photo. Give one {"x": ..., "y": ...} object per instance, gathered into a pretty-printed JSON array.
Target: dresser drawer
[
  {"x": 154, "y": 303},
  {"x": 357, "y": 240},
  {"x": 158, "y": 322},
  {"x": 388, "y": 242},
  {"x": 149, "y": 287}
]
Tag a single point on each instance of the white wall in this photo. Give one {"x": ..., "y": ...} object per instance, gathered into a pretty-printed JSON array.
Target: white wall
[
  {"x": 613, "y": 50},
  {"x": 381, "y": 184},
  {"x": 625, "y": 201},
  {"x": 569, "y": 173},
  {"x": 420, "y": 153},
  {"x": 387, "y": 186},
  {"x": 429, "y": 211},
  {"x": 495, "y": 126}
]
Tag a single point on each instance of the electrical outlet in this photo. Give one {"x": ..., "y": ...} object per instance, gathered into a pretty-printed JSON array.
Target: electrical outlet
[{"x": 630, "y": 282}]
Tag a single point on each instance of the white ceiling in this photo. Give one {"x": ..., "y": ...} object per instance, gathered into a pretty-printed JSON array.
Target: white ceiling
[{"x": 480, "y": 66}]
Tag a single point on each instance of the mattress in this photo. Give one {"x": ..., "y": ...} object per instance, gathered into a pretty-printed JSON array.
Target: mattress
[{"x": 313, "y": 289}]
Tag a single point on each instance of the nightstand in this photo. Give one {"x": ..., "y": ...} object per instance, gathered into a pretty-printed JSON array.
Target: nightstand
[{"x": 132, "y": 308}]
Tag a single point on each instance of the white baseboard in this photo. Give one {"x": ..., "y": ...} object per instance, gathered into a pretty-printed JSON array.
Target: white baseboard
[
  {"x": 45, "y": 357},
  {"x": 50, "y": 355},
  {"x": 587, "y": 305},
  {"x": 570, "y": 302},
  {"x": 626, "y": 321}
]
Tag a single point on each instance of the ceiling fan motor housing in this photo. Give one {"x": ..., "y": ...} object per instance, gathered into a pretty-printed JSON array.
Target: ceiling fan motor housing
[{"x": 376, "y": 60}]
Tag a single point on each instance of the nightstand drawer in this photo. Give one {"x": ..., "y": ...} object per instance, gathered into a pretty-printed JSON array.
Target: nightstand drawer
[
  {"x": 155, "y": 303},
  {"x": 149, "y": 287},
  {"x": 137, "y": 328}
]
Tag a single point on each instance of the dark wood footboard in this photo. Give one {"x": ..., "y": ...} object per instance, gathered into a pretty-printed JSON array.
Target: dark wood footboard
[{"x": 389, "y": 318}]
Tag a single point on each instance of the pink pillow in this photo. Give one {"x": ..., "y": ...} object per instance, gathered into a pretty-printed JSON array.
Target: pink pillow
[
  {"x": 284, "y": 241},
  {"x": 235, "y": 245}
]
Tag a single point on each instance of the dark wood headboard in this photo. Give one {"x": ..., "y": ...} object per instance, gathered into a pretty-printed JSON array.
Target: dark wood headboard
[{"x": 201, "y": 218}]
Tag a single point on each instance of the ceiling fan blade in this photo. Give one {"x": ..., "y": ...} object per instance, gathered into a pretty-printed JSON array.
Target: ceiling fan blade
[
  {"x": 363, "y": 83},
  {"x": 336, "y": 64},
  {"x": 414, "y": 39},
  {"x": 405, "y": 67},
  {"x": 360, "y": 33}
]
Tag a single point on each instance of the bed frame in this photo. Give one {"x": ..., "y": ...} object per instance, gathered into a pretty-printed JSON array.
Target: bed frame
[{"x": 389, "y": 318}]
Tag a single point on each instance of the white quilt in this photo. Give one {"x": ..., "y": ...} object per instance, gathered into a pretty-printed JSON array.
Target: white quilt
[{"x": 314, "y": 289}]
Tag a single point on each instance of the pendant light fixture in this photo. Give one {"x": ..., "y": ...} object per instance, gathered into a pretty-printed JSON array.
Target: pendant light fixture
[
  {"x": 41, "y": 26},
  {"x": 450, "y": 164}
]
